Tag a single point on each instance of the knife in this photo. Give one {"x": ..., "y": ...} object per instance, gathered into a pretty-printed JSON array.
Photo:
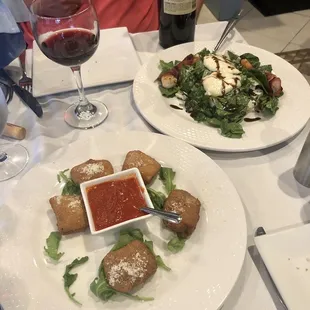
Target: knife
[{"x": 24, "y": 95}]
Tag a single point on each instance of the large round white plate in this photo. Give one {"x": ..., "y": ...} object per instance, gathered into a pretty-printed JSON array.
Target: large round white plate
[
  {"x": 290, "y": 119},
  {"x": 202, "y": 274}
]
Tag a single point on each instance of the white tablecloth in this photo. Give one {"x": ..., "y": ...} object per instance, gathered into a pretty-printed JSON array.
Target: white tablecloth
[{"x": 264, "y": 179}]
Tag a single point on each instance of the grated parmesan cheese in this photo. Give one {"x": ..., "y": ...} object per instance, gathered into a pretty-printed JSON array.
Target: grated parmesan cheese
[
  {"x": 135, "y": 269},
  {"x": 92, "y": 168}
]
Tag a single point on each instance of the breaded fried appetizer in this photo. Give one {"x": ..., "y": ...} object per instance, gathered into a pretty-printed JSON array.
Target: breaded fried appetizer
[
  {"x": 129, "y": 266},
  {"x": 182, "y": 202},
  {"x": 147, "y": 165},
  {"x": 70, "y": 213},
  {"x": 91, "y": 169}
]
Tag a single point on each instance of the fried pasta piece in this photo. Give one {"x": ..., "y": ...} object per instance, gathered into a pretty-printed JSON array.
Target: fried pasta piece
[
  {"x": 147, "y": 165},
  {"x": 129, "y": 266},
  {"x": 182, "y": 202},
  {"x": 70, "y": 213},
  {"x": 91, "y": 169}
]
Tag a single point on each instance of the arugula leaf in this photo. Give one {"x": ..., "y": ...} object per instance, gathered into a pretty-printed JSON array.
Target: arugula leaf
[
  {"x": 261, "y": 78},
  {"x": 233, "y": 57},
  {"x": 190, "y": 75},
  {"x": 265, "y": 68},
  {"x": 254, "y": 60},
  {"x": 165, "y": 66},
  {"x": 157, "y": 198},
  {"x": 168, "y": 92},
  {"x": 176, "y": 244},
  {"x": 70, "y": 187},
  {"x": 101, "y": 288},
  {"x": 204, "y": 53},
  {"x": 52, "y": 243},
  {"x": 69, "y": 278},
  {"x": 231, "y": 130},
  {"x": 268, "y": 104},
  {"x": 159, "y": 260},
  {"x": 167, "y": 176}
]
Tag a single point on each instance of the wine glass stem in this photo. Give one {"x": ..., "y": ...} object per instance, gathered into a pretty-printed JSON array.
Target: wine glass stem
[
  {"x": 85, "y": 110},
  {"x": 3, "y": 157},
  {"x": 77, "y": 74}
]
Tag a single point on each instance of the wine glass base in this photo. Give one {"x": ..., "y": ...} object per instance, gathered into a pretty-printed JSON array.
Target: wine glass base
[
  {"x": 15, "y": 160},
  {"x": 87, "y": 120}
]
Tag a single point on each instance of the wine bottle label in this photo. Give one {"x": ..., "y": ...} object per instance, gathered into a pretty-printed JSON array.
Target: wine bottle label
[{"x": 179, "y": 7}]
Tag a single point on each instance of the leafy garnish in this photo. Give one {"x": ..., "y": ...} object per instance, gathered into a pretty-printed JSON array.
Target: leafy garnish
[
  {"x": 168, "y": 92},
  {"x": 52, "y": 243},
  {"x": 70, "y": 187},
  {"x": 159, "y": 260},
  {"x": 254, "y": 60},
  {"x": 157, "y": 198},
  {"x": 176, "y": 244},
  {"x": 69, "y": 278},
  {"x": 165, "y": 66},
  {"x": 167, "y": 176},
  {"x": 100, "y": 288}
]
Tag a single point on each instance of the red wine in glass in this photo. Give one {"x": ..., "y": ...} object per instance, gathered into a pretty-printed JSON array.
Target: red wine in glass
[
  {"x": 70, "y": 40},
  {"x": 70, "y": 47}
]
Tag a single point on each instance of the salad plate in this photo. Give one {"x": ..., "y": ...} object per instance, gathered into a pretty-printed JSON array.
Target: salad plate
[
  {"x": 202, "y": 274},
  {"x": 278, "y": 116}
]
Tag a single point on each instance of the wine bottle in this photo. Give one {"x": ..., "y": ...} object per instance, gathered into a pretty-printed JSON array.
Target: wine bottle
[{"x": 177, "y": 22}]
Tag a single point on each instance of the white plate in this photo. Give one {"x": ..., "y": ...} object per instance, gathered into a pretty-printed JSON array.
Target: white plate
[
  {"x": 287, "y": 257},
  {"x": 290, "y": 119},
  {"x": 115, "y": 61},
  {"x": 202, "y": 274}
]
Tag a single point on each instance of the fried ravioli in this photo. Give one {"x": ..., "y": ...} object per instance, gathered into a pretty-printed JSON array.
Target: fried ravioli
[
  {"x": 182, "y": 202},
  {"x": 129, "y": 266},
  {"x": 70, "y": 213},
  {"x": 147, "y": 165},
  {"x": 91, "y": 169}
]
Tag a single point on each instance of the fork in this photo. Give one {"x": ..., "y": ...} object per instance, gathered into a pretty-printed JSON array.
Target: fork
[{"x": 25, "y": 81}]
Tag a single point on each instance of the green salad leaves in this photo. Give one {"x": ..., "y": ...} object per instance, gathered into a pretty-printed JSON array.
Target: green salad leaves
[
  {"x": 176, "y": 244},
  {"x": 157, "y": 198},
  {"x": 69, "y": 278},
  {"x": 52, "y": 245},
  {"x": 167, "y": 176},
  {"x": 225, "y": 112},
  {"x": 70, "y": 187}
]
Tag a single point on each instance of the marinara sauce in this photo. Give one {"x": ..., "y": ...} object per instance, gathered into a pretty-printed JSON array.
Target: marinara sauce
[{"x": 115, "y": 201}]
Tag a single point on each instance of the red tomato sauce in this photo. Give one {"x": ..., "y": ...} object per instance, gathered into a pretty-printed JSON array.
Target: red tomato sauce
[{"x": 116, "y": 201}]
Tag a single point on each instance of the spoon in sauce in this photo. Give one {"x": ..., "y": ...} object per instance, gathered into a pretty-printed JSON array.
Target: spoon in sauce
[{"x": 167, "y": 216}]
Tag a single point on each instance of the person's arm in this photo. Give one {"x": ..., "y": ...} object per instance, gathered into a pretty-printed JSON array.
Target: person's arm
[
  {"x": 199, "y": 4},
  {"x": 55, "y": 8}
]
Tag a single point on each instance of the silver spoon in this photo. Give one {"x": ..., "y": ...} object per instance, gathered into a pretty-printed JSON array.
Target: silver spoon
[
  {"x": 229, "y": 27},
  {"x": 168, "y": 216}
]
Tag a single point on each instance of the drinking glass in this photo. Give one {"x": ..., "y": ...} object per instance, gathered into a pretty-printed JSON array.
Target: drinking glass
[
  {"x": 71, "y": 41},
  {"x": 13, "y": 158}
]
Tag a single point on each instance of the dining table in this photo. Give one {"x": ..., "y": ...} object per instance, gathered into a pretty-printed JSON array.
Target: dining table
[{"x": 271, "y": 196}]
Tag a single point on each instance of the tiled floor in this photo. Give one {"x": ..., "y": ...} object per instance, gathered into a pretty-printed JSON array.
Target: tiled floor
[{"x": 277, "y": 33}]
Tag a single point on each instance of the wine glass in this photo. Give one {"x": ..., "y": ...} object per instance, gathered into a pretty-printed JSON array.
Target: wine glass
[
  {"x": 13, "y": 158},
  {"x": 71, "y": 41}
]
